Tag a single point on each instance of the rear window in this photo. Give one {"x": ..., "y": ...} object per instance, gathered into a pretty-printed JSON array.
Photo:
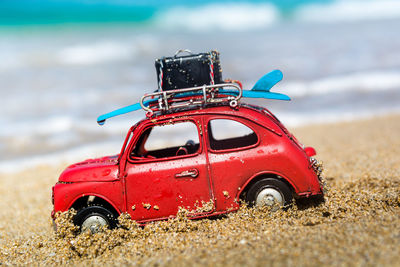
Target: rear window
[{"x": 230, "y": 134}]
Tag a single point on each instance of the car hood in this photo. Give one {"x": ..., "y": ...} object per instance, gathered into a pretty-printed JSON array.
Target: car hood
[{"x": 92, "y": 170}]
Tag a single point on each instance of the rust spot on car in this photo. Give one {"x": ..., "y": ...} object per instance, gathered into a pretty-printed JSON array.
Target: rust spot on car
[
  {"x": 147, "y": 206},
  {"x": 226, "y": 194}
]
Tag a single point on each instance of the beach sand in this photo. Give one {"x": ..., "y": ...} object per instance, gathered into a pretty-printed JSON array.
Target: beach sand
[{"x": 357, "y": 225}]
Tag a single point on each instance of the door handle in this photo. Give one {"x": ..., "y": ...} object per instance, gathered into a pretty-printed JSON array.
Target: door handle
[{"x": 189, "y": 173}]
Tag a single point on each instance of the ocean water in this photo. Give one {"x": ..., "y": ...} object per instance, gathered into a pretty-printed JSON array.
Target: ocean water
[{"x": 63, "y": 63}]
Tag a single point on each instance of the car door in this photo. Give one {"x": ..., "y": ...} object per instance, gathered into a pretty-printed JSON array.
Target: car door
[
  {"x": 167, "y": 169},
  {"x": 233, "y": 157}
]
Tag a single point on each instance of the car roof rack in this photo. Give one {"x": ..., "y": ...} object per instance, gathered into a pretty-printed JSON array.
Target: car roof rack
[
  {"x": 200, "y": 96},
  {"x": 228, "y": 93}
]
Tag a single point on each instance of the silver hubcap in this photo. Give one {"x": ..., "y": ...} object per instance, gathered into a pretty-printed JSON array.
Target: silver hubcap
[
  {"x": 269, "y": 197},
  {"x": 94, "y": 223}
]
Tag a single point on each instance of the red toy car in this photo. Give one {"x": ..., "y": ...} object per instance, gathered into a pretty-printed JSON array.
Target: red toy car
[
  {"x": 199, "y": 149},
  {"x": 214, "y": 156}
]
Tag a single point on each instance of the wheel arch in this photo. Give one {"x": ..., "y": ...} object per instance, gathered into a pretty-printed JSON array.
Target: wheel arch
[
  {"x": 93, "y": 199},
  {"x": 262, "y": 175}
]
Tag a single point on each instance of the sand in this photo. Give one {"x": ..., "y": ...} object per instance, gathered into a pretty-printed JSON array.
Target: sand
[{"x": 357, "y": 225}]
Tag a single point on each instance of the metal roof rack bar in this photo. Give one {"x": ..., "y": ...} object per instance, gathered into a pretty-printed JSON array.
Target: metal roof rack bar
[{"x": 200, "y": 95}]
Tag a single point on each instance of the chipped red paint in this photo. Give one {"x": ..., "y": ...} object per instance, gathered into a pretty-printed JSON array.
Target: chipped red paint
[{"x": 188, "y": 180}]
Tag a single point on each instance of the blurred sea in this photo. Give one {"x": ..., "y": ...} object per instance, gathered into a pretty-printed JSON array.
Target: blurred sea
[{"x": 63, "y": 63}]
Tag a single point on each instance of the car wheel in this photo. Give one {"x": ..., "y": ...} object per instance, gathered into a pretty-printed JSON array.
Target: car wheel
[
  {"x": 269, "y": 192},
  {"x": 94, "y": 218}
]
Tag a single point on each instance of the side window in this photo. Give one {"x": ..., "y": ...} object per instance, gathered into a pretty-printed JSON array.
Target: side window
[
  {"x": 230, "y": 134},
  {"x": 167, "y": 140}
]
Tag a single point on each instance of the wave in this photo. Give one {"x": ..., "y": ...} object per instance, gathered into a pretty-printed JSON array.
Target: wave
[
  {"x": 294, "y": 119},
  {"x": 359, "y": 82},
  {"x": 95, "y": 53},
  {"x": 225, "y": 17},
  {"x": 242, "y": 16},
  {"x": 62, "y": 157},
  {"x": 349, "y": 10},
  {"x": 58, "y": 125}
]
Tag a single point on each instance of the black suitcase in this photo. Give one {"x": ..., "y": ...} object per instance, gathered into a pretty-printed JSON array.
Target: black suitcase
[{"x": 191, "y": 70}]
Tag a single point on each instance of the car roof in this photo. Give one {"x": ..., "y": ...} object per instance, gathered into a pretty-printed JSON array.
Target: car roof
[
  {"x": 255, "y": 114},
  {"x": 242, "y": 110}
]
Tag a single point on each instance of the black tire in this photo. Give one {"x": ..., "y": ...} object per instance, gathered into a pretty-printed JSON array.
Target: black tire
[
  {"x": 105, "y": 216},
  {"x": 273, "y": 184}
]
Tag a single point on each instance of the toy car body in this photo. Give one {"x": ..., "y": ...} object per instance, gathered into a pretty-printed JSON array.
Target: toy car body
[{"x": 214, "y": 157}]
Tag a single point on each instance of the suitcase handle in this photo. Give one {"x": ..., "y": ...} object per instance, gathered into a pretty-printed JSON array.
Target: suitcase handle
[{"x": 183, "y": 50}]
